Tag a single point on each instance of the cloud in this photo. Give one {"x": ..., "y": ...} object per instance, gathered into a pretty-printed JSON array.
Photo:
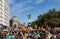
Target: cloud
[
  {"x": 36, "y": 1},
  {"x": 10, "y": 1},
  {"x": 58, "y": 1},
  {"x": 26, "y": 8},
  {"x": 17, "y": 7},
  {"x": 30, "y": 0},
  {"x": 39, "y": 1},
  {"x": 49, "y": 0}
]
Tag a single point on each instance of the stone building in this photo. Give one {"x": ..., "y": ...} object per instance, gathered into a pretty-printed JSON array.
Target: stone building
[{"x": 14, "y": 23}]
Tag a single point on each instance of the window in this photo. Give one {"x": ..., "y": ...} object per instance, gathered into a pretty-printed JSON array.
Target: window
[
  {"x": 6, "y": 16},
  {"x": 6, "y": 12},
  {"x": 1, "y": 16},
  {"x": 4, "y": 27},
  {"x": 1, "y": 21},
  {"x": 1, "y": 13},
  {"x": 1, "y": 5},
  {"x": 1, "y": 9},
  {"x": 1, "y": 1}
]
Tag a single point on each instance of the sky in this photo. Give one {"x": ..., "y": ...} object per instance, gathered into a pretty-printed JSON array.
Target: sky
[{"x": 21, "y": 8}]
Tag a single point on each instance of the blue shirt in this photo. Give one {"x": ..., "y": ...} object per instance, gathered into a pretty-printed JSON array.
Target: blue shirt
[
  {"x": 35, "y": 33},
  {"x": 9, "y": 37}
]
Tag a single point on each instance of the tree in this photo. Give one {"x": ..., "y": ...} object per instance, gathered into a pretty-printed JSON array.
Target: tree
[
  {"x": 34, "y": 23},
  {"x": 59, "y": 18},
  {"x": 51, "y": 18}
]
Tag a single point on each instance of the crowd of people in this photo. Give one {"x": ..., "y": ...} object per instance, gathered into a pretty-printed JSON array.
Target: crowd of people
[{"x": 31, "y": 33}]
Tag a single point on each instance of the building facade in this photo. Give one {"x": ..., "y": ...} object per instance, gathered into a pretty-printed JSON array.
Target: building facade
[
  {"x": 4, "y": 15},
  {"x": 15, "y": 23}
]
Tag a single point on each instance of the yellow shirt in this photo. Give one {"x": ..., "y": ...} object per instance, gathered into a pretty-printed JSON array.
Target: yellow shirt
[{"x": 47, "y": 38}]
